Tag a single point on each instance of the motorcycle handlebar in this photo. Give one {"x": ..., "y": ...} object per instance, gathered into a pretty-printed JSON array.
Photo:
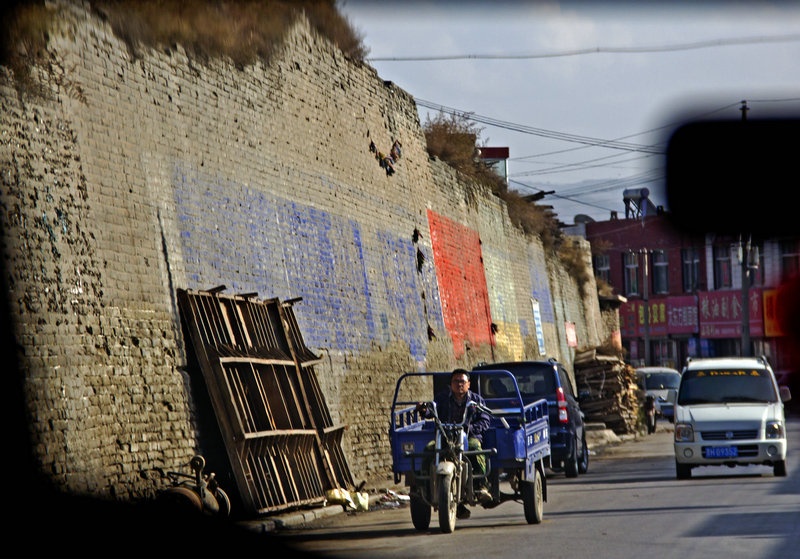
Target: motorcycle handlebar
[
  {"x": 428, "y": 409},
  {"x": 481, "y": 407}
]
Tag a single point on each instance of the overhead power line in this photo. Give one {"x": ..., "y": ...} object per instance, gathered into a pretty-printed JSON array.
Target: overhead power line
[
  {"x": 543, "y": 193},
  {"x": 597, "y": 142},
  {"x": 647, "y": 177},
  {"x": 599, "y": 50},
  {"x": 578, "y": 195},
  {"x": 655, "y": 149},
  {"x": 580, "y": 165},
  {"x": 650, "y": 177}
]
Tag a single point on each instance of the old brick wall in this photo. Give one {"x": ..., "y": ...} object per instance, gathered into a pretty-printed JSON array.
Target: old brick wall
[{"x": 133, "y": 178}]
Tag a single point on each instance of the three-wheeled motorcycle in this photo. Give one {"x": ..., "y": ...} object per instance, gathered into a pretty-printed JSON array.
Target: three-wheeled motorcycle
[{"x": 516, "y": 446}]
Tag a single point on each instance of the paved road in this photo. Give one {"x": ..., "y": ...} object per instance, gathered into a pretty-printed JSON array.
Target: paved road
[
  {"x": 602, "y": 442},
  {"x": 627, "y": 506}
]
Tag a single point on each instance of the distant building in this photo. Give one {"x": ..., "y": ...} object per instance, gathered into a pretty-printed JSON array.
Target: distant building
[
  {"x": 496, "y": 159},
  {"x": 690, "y": 294}
]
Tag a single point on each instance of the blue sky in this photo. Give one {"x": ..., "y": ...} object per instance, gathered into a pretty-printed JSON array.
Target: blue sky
[{"x": 552, "y": 80}]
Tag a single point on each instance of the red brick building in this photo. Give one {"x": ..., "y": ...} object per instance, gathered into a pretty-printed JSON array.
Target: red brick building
[{"x": 685, "y": 291}]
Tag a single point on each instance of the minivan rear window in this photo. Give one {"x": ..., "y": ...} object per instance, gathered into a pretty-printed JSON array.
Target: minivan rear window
[
  {"x": 532, "y": 380},
  {"x": 715, "y": 386}
]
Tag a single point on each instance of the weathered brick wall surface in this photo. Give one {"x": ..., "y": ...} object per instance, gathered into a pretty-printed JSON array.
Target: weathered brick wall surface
[{"x": 133, "y": 178}]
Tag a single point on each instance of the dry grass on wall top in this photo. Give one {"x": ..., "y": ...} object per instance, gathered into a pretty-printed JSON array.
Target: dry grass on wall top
[
  {"x": 455, "y": 140},
  {"x": 533, "y": 220},
  {"x": 572, "y": 257},
  {"x": 604, "y": 289},
  {"x": 243, "y": 31}
]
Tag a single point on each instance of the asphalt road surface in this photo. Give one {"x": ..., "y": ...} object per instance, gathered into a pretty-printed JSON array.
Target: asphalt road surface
[{"x": 628, "y": 505}]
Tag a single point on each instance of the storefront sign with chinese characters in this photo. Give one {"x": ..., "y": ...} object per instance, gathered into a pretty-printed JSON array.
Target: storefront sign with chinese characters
[{"x": 721, "y": 313}]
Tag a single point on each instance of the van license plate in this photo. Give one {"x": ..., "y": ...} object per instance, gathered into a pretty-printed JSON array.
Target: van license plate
[{"x": 721, "y": 452}]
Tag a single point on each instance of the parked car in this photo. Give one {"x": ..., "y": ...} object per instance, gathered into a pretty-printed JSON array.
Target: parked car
[
  {"x": 662, "y": 384},
  {"x": 549, "y": 379},
  {"x": 729, "y": 412}
]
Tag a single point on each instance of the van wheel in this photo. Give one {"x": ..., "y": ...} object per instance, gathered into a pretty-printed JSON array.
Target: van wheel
[
  {"x": 683, "y": 471},
  {"x": 779, "y": 469},
  {"x": 583, "y": 464},
  {"x": 571, "y": 464}
]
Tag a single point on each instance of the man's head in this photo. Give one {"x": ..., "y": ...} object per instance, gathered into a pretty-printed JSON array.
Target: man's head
[{"x": 459, "y": 383}]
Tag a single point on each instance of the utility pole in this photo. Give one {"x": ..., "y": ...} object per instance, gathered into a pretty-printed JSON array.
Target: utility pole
[
  {"x": 744, "y": 260},
  {"x": 646, "y": 298}
]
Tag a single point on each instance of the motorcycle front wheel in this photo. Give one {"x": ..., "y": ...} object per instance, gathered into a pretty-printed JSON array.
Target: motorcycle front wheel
[{"x": 448, "y": 502}]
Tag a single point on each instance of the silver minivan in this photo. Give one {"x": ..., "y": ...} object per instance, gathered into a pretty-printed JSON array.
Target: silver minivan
[{"x": 662, "y": 384}]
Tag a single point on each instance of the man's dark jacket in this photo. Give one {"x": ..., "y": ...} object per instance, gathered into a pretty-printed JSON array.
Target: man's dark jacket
[{"x": 450, "y": 412}]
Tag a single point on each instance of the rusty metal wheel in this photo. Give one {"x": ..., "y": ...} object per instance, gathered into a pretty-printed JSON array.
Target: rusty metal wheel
[{"x": 181, "y": 499}]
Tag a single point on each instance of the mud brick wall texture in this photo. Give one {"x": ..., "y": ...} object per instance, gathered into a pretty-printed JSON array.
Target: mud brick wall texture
[{"x": 133, "y": 178}]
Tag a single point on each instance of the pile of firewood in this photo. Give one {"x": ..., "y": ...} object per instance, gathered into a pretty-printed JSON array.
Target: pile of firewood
[{"x": 611, "y": 394}]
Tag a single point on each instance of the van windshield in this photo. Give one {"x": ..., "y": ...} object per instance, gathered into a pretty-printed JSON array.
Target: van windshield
[
  {"x": 661, "y": 381},
  {"x": 726, "y": 386}
]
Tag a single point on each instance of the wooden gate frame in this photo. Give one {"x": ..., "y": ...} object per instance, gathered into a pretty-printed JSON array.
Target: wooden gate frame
[{"x": 283, "y": 447}]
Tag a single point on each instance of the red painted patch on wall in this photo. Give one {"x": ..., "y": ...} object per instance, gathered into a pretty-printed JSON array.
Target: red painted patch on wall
[{"x": 462, "y": 282}]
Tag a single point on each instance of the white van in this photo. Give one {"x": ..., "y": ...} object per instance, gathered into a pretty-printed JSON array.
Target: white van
[{"x": 729, "y": 412}]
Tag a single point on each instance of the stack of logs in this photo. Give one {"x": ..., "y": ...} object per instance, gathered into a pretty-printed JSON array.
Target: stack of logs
[{"x": 613, "y": 396}]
